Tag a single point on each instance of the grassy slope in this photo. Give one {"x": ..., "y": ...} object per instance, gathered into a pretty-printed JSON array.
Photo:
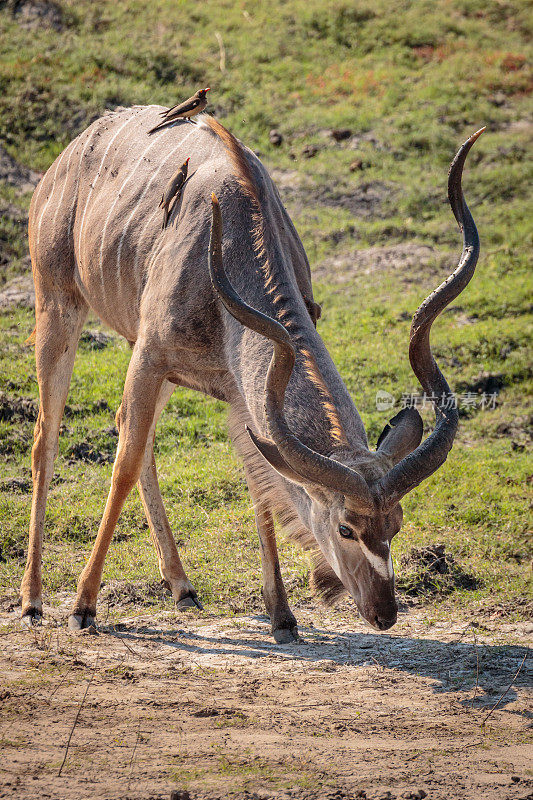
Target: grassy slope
[{"x": 414, "y": 84}]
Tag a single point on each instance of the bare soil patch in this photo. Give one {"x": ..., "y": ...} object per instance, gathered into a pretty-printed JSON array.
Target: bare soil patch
[
  {"x": 214, "y": 707},
  {"x": 32, "y": 14},
  {"x": 410, "y": 260},
  {"x": 11, "y": 171},
  {"x": 18, "y": 292},
  {"x": 432, "y": 571},
  {"x": 364, "y": 199}
]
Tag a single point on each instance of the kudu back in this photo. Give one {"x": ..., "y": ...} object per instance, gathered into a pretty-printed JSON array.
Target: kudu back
[{"x": 221, "y": 301}]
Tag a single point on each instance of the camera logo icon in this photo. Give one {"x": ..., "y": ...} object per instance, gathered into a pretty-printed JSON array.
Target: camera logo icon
[{"x": 384, "y": 400}]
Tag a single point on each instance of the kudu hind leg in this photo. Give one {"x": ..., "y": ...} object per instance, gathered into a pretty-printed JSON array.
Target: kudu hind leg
[
  {"x": 170, "y": 564},
  {"x": 284, "y": 624},
  {"x": 135, "y": 418},
  {"x": 57, "y": 332}
]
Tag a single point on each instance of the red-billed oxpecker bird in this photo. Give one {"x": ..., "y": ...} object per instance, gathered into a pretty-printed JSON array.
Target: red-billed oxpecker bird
[
  {"x": 173, "y": 190},
  {"x": 189, "y": 108}
]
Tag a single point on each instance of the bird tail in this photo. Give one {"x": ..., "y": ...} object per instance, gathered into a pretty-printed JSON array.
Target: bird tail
[
  {"x": 158, "y": 126},
  {"x": 30, "y": 341}
]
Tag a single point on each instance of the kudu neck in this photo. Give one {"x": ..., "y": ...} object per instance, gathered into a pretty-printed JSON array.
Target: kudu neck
[{"x": 317, "y": 406}]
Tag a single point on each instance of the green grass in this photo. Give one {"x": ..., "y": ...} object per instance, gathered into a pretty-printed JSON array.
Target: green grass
[{"x": 411, "y": 86}]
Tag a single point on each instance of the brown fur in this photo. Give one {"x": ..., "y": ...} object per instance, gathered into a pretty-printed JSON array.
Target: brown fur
[
  {"x": 324, "y": 583},
  {"x": 95, "y": 239},
  {"x": 246, "y": 181}
]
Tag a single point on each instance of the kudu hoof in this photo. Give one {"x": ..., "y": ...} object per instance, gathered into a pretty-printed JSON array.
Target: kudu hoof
[
  {"x": 82, "y": 622},
  {"x": 189, "y": 601},
  {"x": 31, "y": 617},
  {"x": 286, "y": 635}
]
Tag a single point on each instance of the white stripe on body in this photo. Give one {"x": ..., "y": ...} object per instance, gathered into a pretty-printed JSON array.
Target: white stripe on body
[
  {"x": 163, "y": 244},
  {"x": 95, "y": 179},
  {"x": 38, "y": 189},
  {"x": 58, "y": 162},
  {"x": 78, "y": 173},
  {"x": 115, "y": 201},
  {"x": 146, "y": 225},
  {"x": 141, "y": 198},
  {"x": 64, "y": 182}
]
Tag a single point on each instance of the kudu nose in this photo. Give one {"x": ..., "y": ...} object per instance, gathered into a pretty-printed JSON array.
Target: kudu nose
[{"x": 385, "y": 622}]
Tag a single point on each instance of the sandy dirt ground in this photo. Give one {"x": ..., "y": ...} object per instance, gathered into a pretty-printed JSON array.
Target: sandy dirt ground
[{"x": 213, "y": 707}]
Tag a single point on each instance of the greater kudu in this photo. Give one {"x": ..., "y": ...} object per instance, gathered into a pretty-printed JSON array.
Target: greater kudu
[{"x": 96, "y": 241}]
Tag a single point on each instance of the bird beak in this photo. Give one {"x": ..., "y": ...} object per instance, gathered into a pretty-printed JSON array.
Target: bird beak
[{"x": 207, "y": 90}]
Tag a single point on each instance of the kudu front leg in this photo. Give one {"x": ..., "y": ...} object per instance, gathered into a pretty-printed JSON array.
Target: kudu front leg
[
  {"x": 134, "y": 418},
  {"x": 170, "y": 564},
  {"x": 284, "y": 624}
]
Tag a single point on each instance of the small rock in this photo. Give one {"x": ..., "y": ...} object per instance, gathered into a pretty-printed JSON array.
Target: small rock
[
  {"x": 340, "y": 134},
  {"x": 414, "y": 794},
  {"x": 505, "y": 351},
  {"x": 515, "y": 778},
  {"x": 20, "y": 485},
  {"x": 386, "y": 796},
  {"x": 498, "y": 99},
  {"x": 275, "y": 137},
  {"x": 111, "y": 431},
  {"x": 101, "y": 405},
  {"x": 206, "y": 712},
  {"x": 96, "y": 340},
  {"x": 355, "y": 165},
  {"x": 180, "y": 794},
  {"x": 310, "y": 150}
]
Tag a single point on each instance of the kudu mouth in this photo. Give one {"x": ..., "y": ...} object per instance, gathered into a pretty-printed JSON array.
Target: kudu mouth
[{"x": 384, "y": 622}]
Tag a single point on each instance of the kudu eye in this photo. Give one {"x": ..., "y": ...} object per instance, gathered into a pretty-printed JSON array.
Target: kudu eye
[{"x": 346, "y": 532}]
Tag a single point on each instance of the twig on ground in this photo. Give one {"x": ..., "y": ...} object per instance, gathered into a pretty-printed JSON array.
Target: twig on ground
[
  {"x": 495, "y": 706},
  {"x": 477, "y": 668},
  {"x": 59, "y": 685},
  {"x": 222, "y": 51},
  {"x": 129, "y": 647},
  {"x": 133, "y": 754},
  {"x": 78, "y": 714}
]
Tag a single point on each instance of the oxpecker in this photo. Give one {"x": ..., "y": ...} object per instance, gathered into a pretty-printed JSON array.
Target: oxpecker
[
  {"x": 173, "y": 189},
  {"x": 189, "y": 108}
]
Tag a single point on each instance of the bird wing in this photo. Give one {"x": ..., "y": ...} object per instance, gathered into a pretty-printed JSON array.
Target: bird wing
[
  {"x": 182, "y": 108},
  {"x": 173, "y": 185}
]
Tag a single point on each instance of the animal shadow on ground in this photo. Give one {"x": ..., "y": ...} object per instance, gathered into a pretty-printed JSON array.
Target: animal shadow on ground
[{"x": 481, "y": 671}]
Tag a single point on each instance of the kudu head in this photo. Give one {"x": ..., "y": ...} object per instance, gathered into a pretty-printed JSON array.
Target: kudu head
[{"x": 355, "y": 499}]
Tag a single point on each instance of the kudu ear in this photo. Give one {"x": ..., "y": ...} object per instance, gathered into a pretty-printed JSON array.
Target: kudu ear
[
  {"x": 401, "y": 435},
  {"x": 270, "y": 453}
]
